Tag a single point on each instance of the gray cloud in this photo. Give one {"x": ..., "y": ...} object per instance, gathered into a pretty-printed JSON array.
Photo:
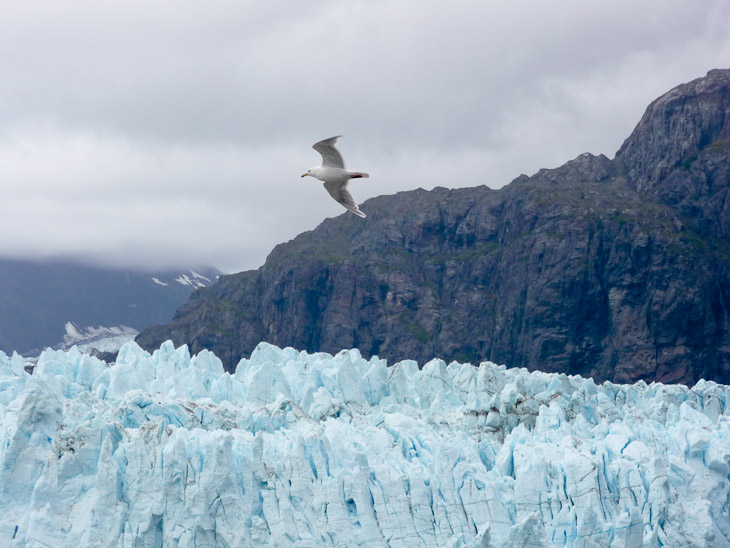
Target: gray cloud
[{"x": 174, "y": 133}]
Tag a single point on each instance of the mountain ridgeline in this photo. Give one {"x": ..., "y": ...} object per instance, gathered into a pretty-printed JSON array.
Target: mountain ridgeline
[
  {"x": 615, "y": 269},
  {"x": 39, "y": 299}
]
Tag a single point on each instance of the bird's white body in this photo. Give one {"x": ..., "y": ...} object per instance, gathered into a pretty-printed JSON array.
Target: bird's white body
[
  {"x": 330, "y": 174},
  {"x": 334, "y": 175}
]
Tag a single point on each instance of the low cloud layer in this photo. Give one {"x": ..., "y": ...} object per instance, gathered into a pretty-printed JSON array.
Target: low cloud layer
[{"x": 174, "y": 133}]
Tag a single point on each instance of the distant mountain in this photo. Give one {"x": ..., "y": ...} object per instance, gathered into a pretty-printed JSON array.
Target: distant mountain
[
  {"x": 57, "y": 303},
  {"x": 616, "y": 269}
]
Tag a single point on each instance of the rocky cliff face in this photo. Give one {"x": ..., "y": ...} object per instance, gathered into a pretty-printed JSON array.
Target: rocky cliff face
[{"x": 617, "y": 269}]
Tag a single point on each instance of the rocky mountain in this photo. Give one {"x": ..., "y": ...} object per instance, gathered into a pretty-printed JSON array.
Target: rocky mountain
[
  {"x": 58, "y": 303},
  {"x": 612, "y": 268}
]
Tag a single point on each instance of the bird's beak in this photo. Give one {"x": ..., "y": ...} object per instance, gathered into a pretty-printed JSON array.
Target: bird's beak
[{"x": 305, "y": 174}]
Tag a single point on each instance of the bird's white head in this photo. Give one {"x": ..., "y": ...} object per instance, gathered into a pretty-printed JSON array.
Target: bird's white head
[{"x": 313, "y": 172}]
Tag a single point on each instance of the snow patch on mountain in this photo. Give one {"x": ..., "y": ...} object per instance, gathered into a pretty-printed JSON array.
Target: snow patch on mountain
[
  {"x": 184, "y": 279},
  {"x": 190, "y": 278},
  {"x": 201, "y": 277},
  {"x": 306, "y": 450}
]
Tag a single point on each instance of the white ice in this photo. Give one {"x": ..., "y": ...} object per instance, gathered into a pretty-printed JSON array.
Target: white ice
[
  {"x": 312, "y": 450},
  {"x": 104, "y": 339}
]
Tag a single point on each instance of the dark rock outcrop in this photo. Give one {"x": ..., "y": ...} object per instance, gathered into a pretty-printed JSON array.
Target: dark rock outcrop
[{"x": 616, "y": 269}]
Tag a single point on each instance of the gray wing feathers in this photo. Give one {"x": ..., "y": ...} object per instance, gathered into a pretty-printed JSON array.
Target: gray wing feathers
[
  {"x": 331, "y": 157},
  {"x": 340, "y": 193}
]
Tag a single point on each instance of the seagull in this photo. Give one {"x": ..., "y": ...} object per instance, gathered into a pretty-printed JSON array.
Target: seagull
[{"x": 335, "y": 176}]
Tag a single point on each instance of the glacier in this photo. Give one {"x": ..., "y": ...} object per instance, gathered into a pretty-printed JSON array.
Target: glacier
[
  {"x": 309, "y": 450},
  {"x": 101, "y": 338}
]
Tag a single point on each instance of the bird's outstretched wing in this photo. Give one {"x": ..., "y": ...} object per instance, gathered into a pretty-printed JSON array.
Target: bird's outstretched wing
[
  {"x": 340, "y": 193},
  {"x": 331, "y": 157}
]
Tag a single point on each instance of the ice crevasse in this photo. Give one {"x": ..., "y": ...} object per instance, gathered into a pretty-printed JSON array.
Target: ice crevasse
[{"x": 311, "y": 450}]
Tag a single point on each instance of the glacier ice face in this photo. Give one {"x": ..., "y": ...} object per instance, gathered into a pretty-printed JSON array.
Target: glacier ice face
[
  {"x": 299, "y": 449},
  {"x": 103, "y": 339}
]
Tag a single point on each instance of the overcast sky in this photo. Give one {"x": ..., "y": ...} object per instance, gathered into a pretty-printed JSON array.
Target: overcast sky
[{"x": 174, "y": 133}]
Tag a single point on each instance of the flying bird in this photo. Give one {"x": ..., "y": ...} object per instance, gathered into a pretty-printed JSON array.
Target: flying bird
[{"x": 335, "y": 176}]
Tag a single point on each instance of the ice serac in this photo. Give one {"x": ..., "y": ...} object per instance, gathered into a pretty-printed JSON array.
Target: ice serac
[{"x": 310, "y": 450}]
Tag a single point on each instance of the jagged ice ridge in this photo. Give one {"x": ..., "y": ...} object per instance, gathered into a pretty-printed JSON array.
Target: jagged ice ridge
[{"x": 307, "y": 450}]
